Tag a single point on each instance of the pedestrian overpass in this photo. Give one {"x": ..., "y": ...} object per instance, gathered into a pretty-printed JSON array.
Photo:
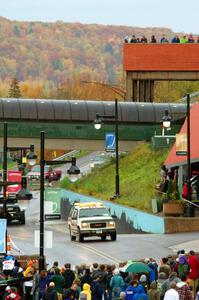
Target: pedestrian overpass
[{"x": 69, "y": 123}]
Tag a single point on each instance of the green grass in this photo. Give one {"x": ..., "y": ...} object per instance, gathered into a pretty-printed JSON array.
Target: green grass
[
  {"x": 139, "y": 173},
  {"x": 11, "y": 165}
]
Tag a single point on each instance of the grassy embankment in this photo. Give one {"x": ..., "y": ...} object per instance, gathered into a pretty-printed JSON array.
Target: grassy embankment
[{"x": 139, "y": 172}]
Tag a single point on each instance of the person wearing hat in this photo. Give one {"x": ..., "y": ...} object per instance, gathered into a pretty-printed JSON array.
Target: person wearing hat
[
  {"x": 183, "y": 267},
  {"x": 143, "y": 282},
  {"x": 116, "y": 284},
  {"x": 86, "y": 292}
]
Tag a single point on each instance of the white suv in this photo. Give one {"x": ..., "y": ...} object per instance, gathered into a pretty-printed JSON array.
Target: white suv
[{"x": 91, "y": 219}]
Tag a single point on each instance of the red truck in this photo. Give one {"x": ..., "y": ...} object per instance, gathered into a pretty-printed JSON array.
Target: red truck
[{"x": 49, "y": 173}]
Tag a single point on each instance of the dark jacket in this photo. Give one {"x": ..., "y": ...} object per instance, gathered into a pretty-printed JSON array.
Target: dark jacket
[
  {"x": 96, "y": 290},
  {"x": 50, "y": 294},
  {"x": 86, "y": 279},
  {"x": 69, "y": 277}
]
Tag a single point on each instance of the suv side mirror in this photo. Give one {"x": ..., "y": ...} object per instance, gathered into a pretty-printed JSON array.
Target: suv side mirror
[{"x": 114, "y": 216}]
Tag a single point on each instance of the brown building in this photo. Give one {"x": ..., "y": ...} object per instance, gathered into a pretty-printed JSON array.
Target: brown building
[{"x": 146, "y": 63}]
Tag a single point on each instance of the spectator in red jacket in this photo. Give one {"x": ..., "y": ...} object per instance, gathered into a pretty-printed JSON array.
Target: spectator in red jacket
[{"x": 193, "y": 262}]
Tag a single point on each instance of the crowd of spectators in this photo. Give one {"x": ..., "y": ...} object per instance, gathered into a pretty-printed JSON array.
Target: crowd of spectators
[
  {"x": 174, "y": 278},
  {"x": 163, "y": 40}
]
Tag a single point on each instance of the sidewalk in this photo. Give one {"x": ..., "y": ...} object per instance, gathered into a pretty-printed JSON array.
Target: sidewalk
[{"x": 187, "y": 246}]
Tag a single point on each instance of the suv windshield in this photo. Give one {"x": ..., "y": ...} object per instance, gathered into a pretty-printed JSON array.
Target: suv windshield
[{"x": 94, "y": 212}]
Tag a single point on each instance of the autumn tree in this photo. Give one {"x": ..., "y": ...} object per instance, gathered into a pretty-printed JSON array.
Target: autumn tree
[{"x": 14, "y": 91}]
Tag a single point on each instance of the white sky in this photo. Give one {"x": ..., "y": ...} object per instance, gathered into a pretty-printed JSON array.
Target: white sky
[{"x": 179, "y": 15}]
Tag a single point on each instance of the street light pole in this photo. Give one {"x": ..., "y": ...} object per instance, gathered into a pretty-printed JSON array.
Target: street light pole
[
  {"x": 188, "y": 149},
  {"x": 98, "y": 123},
  {"x": 42, "y": 165},
  {"x": 5, "y": 139},
  {"x": 74, "y": 170},
  {"x": 117, "y": 178}
]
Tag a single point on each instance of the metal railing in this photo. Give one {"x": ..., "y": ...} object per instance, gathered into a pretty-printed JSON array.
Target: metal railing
[{"x": 69, "y": 154}]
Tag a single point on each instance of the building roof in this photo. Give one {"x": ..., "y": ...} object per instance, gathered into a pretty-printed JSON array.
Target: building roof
[
  {"x": 161, "y": 57},
  {"x": 176, "y": 160}
]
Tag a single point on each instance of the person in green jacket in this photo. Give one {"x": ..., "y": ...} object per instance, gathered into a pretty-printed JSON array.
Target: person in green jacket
[
  {"x": 58, "y": 279},
  {"x": 183, "y": 40}
]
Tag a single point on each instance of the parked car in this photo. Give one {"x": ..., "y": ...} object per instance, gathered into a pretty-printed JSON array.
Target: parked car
[
  {"x": 49, "y": 173},
  {"x": 13, "y": 213},
  {"x": 99, "y": 160}
]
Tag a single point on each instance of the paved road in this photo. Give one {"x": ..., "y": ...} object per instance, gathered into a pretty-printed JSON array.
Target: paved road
[
  {"x": 84, "y": 163},
  {"x": 126, "y": 247}
]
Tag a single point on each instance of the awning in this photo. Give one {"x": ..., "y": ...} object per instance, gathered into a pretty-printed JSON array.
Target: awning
[{"x": 177, "y": 160}]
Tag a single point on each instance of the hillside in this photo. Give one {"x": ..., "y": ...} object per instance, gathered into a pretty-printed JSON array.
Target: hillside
[
  {"x": 64, "y": 51},
  {"x": 139, "y": 173}
]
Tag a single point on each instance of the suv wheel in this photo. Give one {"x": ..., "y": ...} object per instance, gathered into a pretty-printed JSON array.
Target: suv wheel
[
  {"x": 113, "y": 236},
  {"x": 80, "y": 237},
  {"x": 103, "y": 237},
  {"x": 72, "y": 237},
  {"x": 23, "y": 221}
]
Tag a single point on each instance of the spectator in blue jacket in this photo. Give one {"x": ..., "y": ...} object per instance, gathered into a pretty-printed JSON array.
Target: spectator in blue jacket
[
  {"x": 175, "y": 39},
  {"x": 131, "y": 290},
  {"x": 140, "y": 293}
]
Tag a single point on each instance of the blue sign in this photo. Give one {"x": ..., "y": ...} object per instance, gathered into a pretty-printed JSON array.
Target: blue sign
[
  {"x": 3, "y": 228},
  {"x": 110, "y": 142}
]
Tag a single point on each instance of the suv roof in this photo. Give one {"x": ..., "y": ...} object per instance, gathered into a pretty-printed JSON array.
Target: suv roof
[{"x": 88, "y": 205}]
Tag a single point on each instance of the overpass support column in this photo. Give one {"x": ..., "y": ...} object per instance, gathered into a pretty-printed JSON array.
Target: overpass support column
[
  {"x": 151, "y": 99},
  {"x": 147, "y": 90},
  {"x": 135, "y": 91},
  {"x": 141, "y": 90},
  {"x": 128, "y": 88}
]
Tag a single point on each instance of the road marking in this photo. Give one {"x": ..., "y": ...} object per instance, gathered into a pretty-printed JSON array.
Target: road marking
[{"x": 100, "y": 253}]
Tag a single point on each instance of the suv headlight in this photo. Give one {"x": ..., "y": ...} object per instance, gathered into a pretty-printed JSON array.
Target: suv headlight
[
  {"x": 111, "y": 224},
  {"x": 85, "y": 225}
]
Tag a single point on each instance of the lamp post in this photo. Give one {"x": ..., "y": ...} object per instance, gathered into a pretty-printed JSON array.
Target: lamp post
[
  {"x": 98, "y": 123},
  {"x": 74, "y": 170},
  {"x": 166, "y": 121},
  {"x": 31, "y": 158}
]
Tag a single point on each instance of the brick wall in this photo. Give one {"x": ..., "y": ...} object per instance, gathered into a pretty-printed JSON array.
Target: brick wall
[{"x": 181, "y": 224}]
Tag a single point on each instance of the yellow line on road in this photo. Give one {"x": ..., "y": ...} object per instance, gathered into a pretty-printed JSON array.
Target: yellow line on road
[{"x": 100, "y": 253}]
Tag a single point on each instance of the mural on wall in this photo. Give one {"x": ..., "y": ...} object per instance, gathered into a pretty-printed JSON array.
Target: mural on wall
[
  {"x": 129, "y": 220},
  {"x": 123, "y": 225}
]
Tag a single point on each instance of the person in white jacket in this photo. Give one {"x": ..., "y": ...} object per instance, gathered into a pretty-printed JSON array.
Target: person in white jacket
[{"x": 172, "y": 294}]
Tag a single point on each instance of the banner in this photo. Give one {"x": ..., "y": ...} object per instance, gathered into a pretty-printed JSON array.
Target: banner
[
  {"x": 3, "y": 227},
  {"x": 14, "y": 176},
  {"x": 110, "y": 142},
  {"x": 52, "y": 209},
  {"x": 181, "y": 144}
]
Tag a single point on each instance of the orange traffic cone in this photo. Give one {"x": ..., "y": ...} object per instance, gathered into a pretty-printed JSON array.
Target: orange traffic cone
[{"x": 8, "y": 244}]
